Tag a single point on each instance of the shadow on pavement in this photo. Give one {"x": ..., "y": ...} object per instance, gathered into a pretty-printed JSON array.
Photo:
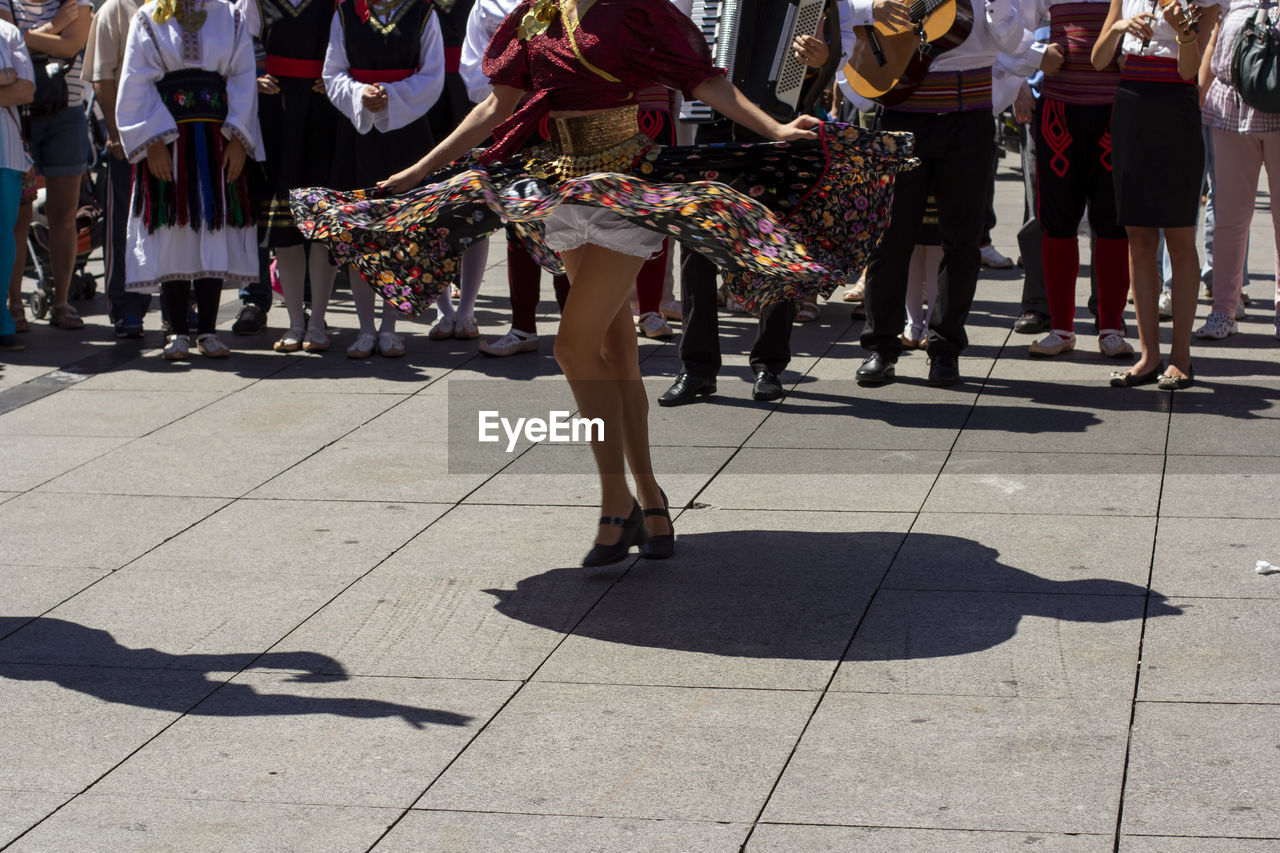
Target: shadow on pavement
[
  {"x": 150, "y": 678},
  {"x": 799, "y": 595}
]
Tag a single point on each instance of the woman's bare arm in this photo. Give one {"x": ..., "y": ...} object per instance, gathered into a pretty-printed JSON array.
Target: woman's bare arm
[
  {"x": 473, "y": 130},
  {"x": 723, "y": 97}
]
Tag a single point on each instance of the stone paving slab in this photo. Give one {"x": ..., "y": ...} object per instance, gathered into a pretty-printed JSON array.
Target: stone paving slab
[
  {"x": 744, "y": 606},
  {"x": 1201, "y": 844},
  {"x": 19, "y": 810},
  {"x": 466, "y": 832},
  {"x": 123, "y": 414},
  {"x": 628, "y": 752},
  {"x": 374, "y": 742},
  {"x": 1043, "y": 482},
  {"x": 944, "y": 762},
  {"x": 778, "y": 838},
  {"x": 1203, "y": 770},
  {"x": 1216, "y": 557},
  {"x": 1217, "y": 650},
  {"x": 34, "y": 459},
  {"x": 28, "y": 591},
  {"x": 1231, "y": 487},
  {"x": 995, "y": 644},
  {"x": 35, "y": 527},
  {"x": 225, "y": 459},
  {"x": 65, "y": 726},
  {"x": 478, "y": 614},
  {"x": 95, "y": 823},
  {"x": 862, "y": 480}
]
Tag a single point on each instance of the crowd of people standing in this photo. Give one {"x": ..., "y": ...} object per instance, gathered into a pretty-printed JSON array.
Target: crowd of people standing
[{"x": 273, "y": 95}]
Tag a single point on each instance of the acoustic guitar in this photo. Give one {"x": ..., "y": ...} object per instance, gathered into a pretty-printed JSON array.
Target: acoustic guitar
[{"x": 888, "y": 64}]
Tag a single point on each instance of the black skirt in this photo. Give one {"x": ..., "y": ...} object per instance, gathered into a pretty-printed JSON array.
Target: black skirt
[
  {"x": 297, "y": 133},
  {"x": 363, "y": 159},
  {"x": 1157, "y": 154}
]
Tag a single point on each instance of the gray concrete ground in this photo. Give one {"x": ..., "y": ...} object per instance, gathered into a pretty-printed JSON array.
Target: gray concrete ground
[{"x": 289, "y": 603}]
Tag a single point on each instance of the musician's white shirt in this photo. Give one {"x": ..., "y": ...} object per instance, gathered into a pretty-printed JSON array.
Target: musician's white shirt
[{"x": 999, "y": 30}]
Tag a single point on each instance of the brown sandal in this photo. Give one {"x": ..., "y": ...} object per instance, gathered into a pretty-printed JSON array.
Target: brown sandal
[{"x": 65, "y": 317}]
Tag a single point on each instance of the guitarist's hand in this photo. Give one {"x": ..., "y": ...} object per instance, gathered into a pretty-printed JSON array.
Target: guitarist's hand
[
  {"x": 1052, "y": 60},
  {"x": 1024, "y": 105},
  {"x": 1138, "y": 25},
  {"x": 892, "y": 13}
]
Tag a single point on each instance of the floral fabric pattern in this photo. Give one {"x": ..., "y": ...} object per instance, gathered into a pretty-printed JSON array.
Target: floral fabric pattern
[{"x": 786, "y": 220}]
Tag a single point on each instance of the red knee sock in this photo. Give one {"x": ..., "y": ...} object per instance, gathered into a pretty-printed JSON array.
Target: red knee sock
[
  {"x": 1061, "y": 259},
  {"x": 1111, "y": 261},
  {"x": 650, "y": 281}
]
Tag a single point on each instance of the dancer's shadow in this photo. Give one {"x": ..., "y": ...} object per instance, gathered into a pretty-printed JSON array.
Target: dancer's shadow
[
  {"x": 150, "y": 678},
  {"x": 799, "y": 595}
]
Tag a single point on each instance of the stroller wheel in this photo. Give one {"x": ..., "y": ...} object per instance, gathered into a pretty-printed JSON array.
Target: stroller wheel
[
  {"x": 39, "y": 304},
  {"x": 90, "y": 285}
]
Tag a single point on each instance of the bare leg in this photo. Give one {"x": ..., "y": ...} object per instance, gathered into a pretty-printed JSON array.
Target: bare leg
[
  {"x": 1181, "y": 243},
  {"x": 599, "y": 364},
  {"x": 63, "y": 195},
  {"x": 1145, "y": 277}
]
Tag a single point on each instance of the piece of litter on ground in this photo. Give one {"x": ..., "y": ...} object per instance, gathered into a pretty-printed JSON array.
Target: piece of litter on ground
[{"x": 1265, "y": 568}]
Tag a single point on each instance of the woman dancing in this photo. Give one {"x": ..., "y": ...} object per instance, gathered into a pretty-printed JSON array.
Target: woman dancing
[{"x": 603, "y": 196}]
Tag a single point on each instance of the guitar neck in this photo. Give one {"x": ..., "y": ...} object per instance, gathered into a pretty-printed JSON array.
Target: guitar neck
[{"x": 922, "y": 9}]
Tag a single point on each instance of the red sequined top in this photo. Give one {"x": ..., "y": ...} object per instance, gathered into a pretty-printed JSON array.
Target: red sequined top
[{"x": 618, "y": 48}]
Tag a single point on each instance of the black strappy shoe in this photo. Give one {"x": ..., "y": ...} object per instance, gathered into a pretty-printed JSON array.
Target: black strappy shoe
[
  {"x": 633, "y": 533},
  {"x": 664, "y": 545}
]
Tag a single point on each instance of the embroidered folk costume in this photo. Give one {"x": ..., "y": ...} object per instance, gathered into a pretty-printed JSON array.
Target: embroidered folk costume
[
  {"x": 787, "y": 219},
  {"x": 396, "y": 44},
  {"x": 297, "y": 122},
  {"x": 188, "y": 81}
]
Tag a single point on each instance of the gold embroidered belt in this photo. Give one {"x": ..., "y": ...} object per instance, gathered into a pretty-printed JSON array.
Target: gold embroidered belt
[{"x": 602, "y": 142}]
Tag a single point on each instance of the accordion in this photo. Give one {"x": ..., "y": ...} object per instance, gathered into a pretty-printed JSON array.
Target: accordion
[{"x": 752, "y": 40}]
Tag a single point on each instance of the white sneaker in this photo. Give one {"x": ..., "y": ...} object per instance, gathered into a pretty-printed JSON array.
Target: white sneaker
[
  {"x": 390, "y": 345},
  {"x": 991, "y": 257},
  {"x": 1165, "y": 305},
  {"x": 510, "y": 344},
  {"x": 672, "y": 310},
  {"x": 211, "y": 347},
  {"x": 178, "y": 348},
  {"x": 1055, "y": 343},
  {"x": 1112, "y": 344},
  {"x": 651, "y": 325},
  {"x": 363, "y": 346},
  {"x": 1216, "y": 327},
  {"x": 1241, "y": 314}
]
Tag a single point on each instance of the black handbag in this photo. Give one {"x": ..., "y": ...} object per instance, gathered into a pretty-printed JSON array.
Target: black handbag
[
  {"x": 51, "y": 96},
  {"x": 1255, "y": 63}
]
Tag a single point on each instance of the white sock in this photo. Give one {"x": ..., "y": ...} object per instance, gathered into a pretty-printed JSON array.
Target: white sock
[
  {"x": 291, "y": 266},
  {"x": 322, "y": 273}
]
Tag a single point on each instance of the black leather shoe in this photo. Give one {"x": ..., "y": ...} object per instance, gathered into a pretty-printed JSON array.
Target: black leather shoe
[
  {"x": 632, "y": 534},
  {"x": 1031, "y": 323},
  {"x": 687, "y": 389},
  {"x": 767, "y": 386},
  {"x": 662, "y": 546},
  {"x": 944, "y": 369},
  {"x": 876, "y": 369}
]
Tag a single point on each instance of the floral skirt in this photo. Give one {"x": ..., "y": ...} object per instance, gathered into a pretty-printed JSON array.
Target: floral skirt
[{"x": 785, "y": 220}]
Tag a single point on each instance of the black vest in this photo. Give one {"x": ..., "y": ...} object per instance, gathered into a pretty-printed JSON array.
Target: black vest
[
  {"x": 301, "y": 33},
  {"x": 368, "y": 46}
]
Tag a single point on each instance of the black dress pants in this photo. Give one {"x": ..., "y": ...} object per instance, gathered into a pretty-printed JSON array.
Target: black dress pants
[
  {"x": 955, "y": 151},
  {"x": 700, "y": 340}
]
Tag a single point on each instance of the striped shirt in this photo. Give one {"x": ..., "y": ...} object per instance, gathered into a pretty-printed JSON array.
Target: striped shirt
[
  {"x": 13, "y": 55},
  {"x": 1076, "y": 26},
  {"x": 29, "y": 14},
  {"x": 1223, "y": 108}
]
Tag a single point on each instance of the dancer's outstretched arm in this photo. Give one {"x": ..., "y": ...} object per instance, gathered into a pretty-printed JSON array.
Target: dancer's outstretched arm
[
  {"x": 722, "y": 96},
  {"x": 473, "y": 130}
]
